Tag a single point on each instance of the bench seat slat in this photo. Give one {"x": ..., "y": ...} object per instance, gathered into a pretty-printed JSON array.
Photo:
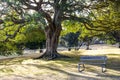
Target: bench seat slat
[
  {"x": 90, "y": 63},
  {"x": 93, "y": 57},
  {"x": 100, "y": 60}
]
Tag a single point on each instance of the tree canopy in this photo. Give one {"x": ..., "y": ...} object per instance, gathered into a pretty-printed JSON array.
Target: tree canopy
[{"x": 49, "y": 15}]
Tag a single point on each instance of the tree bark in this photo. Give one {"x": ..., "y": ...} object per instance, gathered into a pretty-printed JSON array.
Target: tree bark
[
  {"x": 87, "y": 44},
  {"x": 119, "y": 45},
  {"x": 52, "y": 39}
]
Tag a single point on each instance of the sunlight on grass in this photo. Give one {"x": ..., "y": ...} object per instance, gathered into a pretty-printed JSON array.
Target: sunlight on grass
[{"x": 64, "y": 66}]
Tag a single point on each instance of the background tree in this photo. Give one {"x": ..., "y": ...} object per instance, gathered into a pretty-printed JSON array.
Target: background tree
[
  {"x": 116, "y": 36},
  {"x": 71, "y": 39},
  {"x": 105, "y": 17},
  {"x": 27, "y": 37},
  {"x": 33, "y": 38},
  {"x": 70, "y": 33},
  {"x": 115, "y": 15}
]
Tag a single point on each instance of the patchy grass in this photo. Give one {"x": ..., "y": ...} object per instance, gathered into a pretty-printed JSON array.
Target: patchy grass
[
  {"x": 113, "y": 62},
  {"x": 63, "y": 68}
]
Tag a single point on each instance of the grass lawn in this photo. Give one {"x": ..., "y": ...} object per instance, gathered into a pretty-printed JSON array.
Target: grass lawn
[{"x": 61, "y": 69}]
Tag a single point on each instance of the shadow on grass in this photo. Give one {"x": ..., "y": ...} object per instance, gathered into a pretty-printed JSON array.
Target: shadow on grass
[
  {"x": 76, "y": 75},
  {"x": 12, "y": 61},
  {"x": 113, "y": 61},
  {"x": 18, "y": 77},
  {"x": 71, "y": 75}
]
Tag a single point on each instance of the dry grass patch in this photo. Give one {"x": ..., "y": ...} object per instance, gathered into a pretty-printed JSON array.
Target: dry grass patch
[{"x": 63, "y": 68}]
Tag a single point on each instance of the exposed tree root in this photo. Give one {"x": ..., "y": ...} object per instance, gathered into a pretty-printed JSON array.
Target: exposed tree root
[{"x": 51, "y": 56}]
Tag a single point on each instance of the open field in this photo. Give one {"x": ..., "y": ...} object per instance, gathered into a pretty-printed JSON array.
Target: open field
[{"x": 62, "y": 69}]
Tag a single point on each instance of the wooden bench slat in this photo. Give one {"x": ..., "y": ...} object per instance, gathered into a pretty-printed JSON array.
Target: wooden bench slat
[
  {"x": 93, "y": 57},
  {"x": 91, "y": 63},
  {"x": 101, "y": 60}
]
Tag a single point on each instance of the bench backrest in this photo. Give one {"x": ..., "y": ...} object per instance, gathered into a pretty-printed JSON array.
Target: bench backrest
[{"x": 93, "y": 58}]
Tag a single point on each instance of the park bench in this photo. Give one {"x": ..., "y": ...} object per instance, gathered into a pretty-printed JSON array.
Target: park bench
[{"x": 99, "y": 60}]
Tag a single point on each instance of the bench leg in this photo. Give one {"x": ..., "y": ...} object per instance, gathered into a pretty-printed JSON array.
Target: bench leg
[
  {"x": 104, "y": 68},
  {"x": 79, "y": 67}
]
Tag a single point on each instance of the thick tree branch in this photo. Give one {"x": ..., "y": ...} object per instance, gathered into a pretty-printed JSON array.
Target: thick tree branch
[
  {"x": 35, "y": 1},
  {"x": 18, "y": 21},
  {"x": 74, "y": 18},
  {"x": 28, "y": 5},
  {"x": 14, "y": 34},
  {"x": 86, "y": 22},
  {"x": 90, "y": 28}
]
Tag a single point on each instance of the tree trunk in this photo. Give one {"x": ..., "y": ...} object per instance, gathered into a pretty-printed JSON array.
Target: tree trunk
[
  {"x": 87, "y": 47},
  {"x": 119, "y": 45},
  {"x": 52, "y": 39},
  {"x": 88, "y": 44}
]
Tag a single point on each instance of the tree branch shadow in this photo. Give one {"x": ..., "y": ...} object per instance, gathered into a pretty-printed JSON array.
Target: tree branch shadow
[{"x": 71, "y": 75}]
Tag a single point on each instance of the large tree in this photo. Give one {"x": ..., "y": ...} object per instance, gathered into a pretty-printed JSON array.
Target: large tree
[{"x": 50, "y": 12}]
